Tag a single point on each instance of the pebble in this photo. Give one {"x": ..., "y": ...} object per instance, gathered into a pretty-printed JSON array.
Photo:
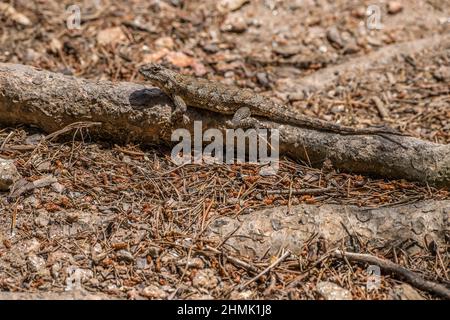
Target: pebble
[
  {"x": 153, "y": 292},
  {"x": 35, "y": 263},
  {"x": 125, "y": 255},
  {"x": 206, "y": 279},
  {"x": 230, "y": 5},
  {"x": 211, "y": 48},
  {"x": 331, "y": 291},
  {"x": 394, "y": 7},
  {"x": 244, "y": 295},
  {"x": 235, "y": 24},
  {"x": 179, "y": 59},
  {"x": 405, "y": 292},
  {"x": 164, "y": 42},
  {"x": 8, "y": 174},
  {"x": 288, "y": 50},
  {"x": 58, "y": 187},
  {"x": 196, "y": 263},
  {"x": 334, "y": 38},
  {"x": 111, "y": 36},
  {"x": 442, "y": 74},
  {"x": 44, "y": 166},
  {"x": 263, "y": 79},
  {"x": 42, "y": 220},
  {"x": 154, "y": 251}
]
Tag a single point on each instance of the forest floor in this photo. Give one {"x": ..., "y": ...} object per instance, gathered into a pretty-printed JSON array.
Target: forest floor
[{"x": 127, "y": 222}]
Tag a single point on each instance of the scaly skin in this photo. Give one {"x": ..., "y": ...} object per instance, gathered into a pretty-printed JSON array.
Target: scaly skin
[{"x": 214, "y": 96}]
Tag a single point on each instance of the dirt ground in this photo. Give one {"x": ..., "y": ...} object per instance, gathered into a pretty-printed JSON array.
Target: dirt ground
[{"x": 125, "y": 222}]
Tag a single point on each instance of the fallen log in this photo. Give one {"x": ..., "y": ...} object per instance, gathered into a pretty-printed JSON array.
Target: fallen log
[
  {"x": 134, "y": 112},
  {"x": 269, "y": 231}
]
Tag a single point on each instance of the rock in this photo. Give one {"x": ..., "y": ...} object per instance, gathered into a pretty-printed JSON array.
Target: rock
[
  {"x": 394, "y": 7},
  {"x": 164, "y": 42},
  {"x": 155, "y": 56},
  {"x": 141, "y": 263},
  {"x": 405, "y": 292},
  {"x": 42, "y": 219},
  {"x": 111, "y": 36},
  {"x": 44, "y": 166},
  {"x": 72, "y": 217},
  {"x": 154, "y": 251},
  {"x": 55, "y": 269},
  {"x": 296, "y": 96},
  {"x": 351, "y": 48},
  {"x": 11, "y": 13},
  {"x": 287, "y": 51},
  {"x": 230, "y": 5},
  {"x": 34, "y": 139},
  {"x": 263, "y": 79},
  {"x": 359, "y": 12},
  {"x": 334, "y": 37},
  {"x": 205, "y": 278},
  {"x": 8, "y": 174},
  {"x": 199, "y": 68},
  {"x": 331, "y": 291},
  {"x": 244, "y": 295},
  {"x": 124, "y": 255},
  {"x": 30, "y": 246},
  {"x": 234, "y": 23},
  {"x": 35, "y": 263},
  {"x": 31, "y": 55},
  {"x": 195, "y": 263},
  {"x": 442, "y": 74},
  {"x": 76, "y": 276},
  {"x": 179, "y": 59},
  {"x": 153, "y": 292},
  {"x": 58, "y": 187},
  {"x": 55, "y": 46},
  {"x": 211, "y": 48}
]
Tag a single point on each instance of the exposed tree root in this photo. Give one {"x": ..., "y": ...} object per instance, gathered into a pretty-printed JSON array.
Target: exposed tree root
[{"x": 133, "y": 112}]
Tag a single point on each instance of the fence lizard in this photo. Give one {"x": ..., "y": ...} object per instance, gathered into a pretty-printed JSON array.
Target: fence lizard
[{"x": 241, "y": 103}]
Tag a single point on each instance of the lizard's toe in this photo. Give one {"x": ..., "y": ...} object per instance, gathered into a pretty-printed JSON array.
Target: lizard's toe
[
  {"x": 186, "y": 119},
  {"x": 179, "y": 117}
]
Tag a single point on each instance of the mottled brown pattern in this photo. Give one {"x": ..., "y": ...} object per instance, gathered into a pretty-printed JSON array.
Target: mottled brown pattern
[{"x": 217, "y": 97}]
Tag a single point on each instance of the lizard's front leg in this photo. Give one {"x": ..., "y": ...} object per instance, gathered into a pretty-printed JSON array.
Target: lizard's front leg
[{"x": 179, "y": 114}]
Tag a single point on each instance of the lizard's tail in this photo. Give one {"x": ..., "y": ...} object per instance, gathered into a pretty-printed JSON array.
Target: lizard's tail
[{"x": 321, "y": 125}]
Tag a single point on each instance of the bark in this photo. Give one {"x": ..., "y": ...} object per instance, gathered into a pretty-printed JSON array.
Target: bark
[
  {"x": 134, "y": 112},
  {"x": 267, "y": 232}
]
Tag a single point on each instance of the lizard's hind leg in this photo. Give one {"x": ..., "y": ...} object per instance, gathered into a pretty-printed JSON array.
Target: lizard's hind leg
[{"x": 242, "y": 119}]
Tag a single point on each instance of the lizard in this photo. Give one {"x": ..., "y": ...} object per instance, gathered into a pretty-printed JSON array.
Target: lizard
[{"x": 185, "y": 90}]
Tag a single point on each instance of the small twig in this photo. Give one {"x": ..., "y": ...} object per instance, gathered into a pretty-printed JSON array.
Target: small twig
[
  {"x": 75, "y": 125},
  {"x": 8, "y": 137},
  {"x": 129, "y": 152},
  {"x": 280, "y": 259},
  {"x": 306, "y": 272},
  {"x": 227, "y": 237},
  {"x": 237, "y": 262},
  {"x": 411, "y": 277},
  {"x": 24, "y": 186},
  {"x": 301, "y": 191}
]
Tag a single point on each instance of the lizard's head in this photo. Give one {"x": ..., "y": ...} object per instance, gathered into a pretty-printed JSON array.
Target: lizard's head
[{"x": 157, "y": 74}]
